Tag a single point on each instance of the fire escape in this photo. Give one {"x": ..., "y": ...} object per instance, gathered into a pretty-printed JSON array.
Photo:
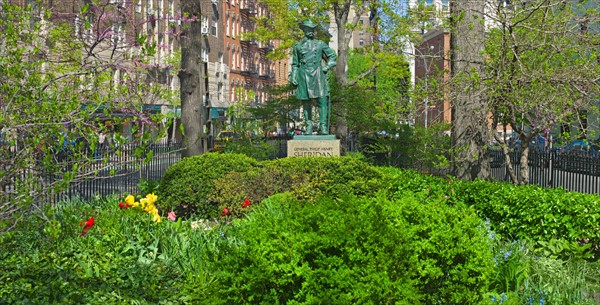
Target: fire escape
[{"x": 248, "y": 11}]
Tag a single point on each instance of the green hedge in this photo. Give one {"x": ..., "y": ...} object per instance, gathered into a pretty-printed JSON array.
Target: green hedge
[
  {"x": 534, "y": 213},
  {"x": 188, "y": 186},
  {"x": 355, "y": 251},
  {"x": 516, "y": 212},
  {"x": 307, "y": 178}
]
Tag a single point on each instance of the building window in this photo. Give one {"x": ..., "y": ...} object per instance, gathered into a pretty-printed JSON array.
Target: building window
[
  {"x": 227, "y": 27},
  {"x": 214, "y": 25},
  {"x": 204, "y": 25},
  {"x": 204, "y": 55},
  {"x": 220, "y": 92},
  {"x": 233, "y": 59},
  {"x": 361, "y": 42},
  {"x": 361, "y": 26}
]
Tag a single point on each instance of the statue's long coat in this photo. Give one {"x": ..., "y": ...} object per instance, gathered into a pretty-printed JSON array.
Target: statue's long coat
[{"x": 307, "y": 68}]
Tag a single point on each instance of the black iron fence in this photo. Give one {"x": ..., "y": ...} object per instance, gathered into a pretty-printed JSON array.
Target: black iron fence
[
  {"x": 111, "y": 172},
  {"x": 579, "y": 173},
  {"x": 122, "y": 173}
]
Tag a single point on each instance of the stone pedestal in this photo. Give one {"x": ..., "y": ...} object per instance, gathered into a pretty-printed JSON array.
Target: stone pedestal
[{"x": 313, "y": 146}]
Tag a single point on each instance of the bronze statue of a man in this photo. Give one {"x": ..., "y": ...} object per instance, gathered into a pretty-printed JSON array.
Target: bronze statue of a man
[{"x": 309, "y": 75}]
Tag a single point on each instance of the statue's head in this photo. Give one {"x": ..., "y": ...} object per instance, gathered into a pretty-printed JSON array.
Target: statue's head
[{"x": 308, "y": 26}]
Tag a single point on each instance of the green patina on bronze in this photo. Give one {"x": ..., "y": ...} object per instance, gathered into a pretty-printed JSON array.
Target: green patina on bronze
[{"x": 309, "y": 75}]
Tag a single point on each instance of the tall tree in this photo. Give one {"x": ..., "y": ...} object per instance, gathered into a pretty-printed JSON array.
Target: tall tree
[
  {"x": 543, "y": 69},
  {"x": 469, "y": 114},
  {"x": 380, "y": 100},
  {"x": 193, "y": 79}
]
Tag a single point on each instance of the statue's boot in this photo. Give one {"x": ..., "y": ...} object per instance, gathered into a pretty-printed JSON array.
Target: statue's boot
[
  {"x": 323, "y": 129},
  {"x": 309, "y": 127},
  {"x": 323, "y": 116}
]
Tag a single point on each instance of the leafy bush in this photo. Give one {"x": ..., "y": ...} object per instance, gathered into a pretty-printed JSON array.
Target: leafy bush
[
  {"x": 307, "y": 178},
  {"x": 355, "y": 251},
  {"x": 122, "y": 259},
  {"x": 426, "y": 149},
  {"x": 530, "y": 213},
  {"x": 534, "y": 213},
  {"x": 397, "y": 181},
  {"x": 188, "y": 186},
  {"x": 259, "y": 149}
]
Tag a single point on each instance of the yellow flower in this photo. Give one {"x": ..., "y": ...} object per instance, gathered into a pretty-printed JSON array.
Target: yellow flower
[
  {"x": 150, "y": 208},
  {"x": 157, "y": 217},
  {"x": 143, "y": 202},
  {"x": 129, "y": 200},
  {"x": 135, "y": 204},
  {"x": 152, "y": 198}
]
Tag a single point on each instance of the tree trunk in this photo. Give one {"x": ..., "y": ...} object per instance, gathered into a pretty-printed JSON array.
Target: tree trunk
[
  {"x": 341, "y": 76},
  {"x": 341, "y": 11},
  {"x": 192, "y": 79},
  {"x": 523, "y": 163},
  {"x": 470, "y": 112}
]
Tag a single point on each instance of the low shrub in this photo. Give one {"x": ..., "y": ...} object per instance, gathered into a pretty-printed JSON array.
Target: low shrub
[
  {"x": 188, "y": 186},
  {"x": 367, "y": 250},
  {"x": 534, "y": 213},
  {"x": 257, "y": 148},
  {"x": 397, "y": 181},
  {"x": 307, "y": 178}
]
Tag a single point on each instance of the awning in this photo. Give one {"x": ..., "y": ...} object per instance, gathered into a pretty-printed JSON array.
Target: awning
[{"x": 217, "y": 112}]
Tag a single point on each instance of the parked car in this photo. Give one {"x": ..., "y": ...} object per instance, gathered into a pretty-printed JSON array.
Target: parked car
[
  {"x": 538, "y": 142},
  {"x": 223, "y": 138},
  {"x": 580, "y": 148},
  {"x": 579, "y": 156}
]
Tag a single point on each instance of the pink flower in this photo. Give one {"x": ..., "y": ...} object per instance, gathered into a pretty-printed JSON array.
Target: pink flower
[
  {"x": 171, "y": 216},
  {"x": 246, "y": 203},
  {"x": 225, "y": 212}
]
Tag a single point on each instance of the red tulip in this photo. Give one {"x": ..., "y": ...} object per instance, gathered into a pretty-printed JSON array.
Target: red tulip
[
  {"x": 246, "y": 203},
  {"x": 87, "y": 225},
  {"x": 123, "y": 205},
  {"x": 225, "y": 212}
]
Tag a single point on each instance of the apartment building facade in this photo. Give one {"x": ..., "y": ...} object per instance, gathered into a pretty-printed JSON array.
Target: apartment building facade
[
  {"x": 252, "y": 73},
  {"x": 237, "y": 69}
]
